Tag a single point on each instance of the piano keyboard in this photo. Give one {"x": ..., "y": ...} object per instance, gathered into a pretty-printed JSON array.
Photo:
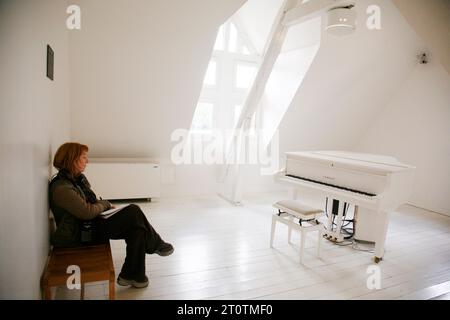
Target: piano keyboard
[{"x": 332, "y": 185}]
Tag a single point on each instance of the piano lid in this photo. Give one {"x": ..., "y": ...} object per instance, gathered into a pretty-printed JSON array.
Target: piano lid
[{"x": 371, "y": 162}]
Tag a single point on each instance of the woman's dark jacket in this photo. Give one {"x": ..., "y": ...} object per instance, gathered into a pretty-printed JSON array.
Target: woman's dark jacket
[{"x": 72, "y": 201}]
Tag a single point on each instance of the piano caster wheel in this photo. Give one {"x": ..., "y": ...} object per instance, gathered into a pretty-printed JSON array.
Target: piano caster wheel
[{"x": 376, "y": 259}]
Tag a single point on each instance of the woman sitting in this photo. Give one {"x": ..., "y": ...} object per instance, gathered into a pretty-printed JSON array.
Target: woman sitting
[{"x": 75, "y": 205}]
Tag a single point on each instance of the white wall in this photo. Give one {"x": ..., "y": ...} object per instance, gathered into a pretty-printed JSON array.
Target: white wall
[
  {"x": 34, "y": 120},
  {"x": 349, "y": 81},
  {"x": 431, "y": 20},
  {"x": 415, "y": 128},
  {"x": 137, "y": 70}
]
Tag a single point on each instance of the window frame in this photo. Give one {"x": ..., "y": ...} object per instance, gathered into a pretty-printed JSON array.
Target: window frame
[{"x": 225, "y": 95}]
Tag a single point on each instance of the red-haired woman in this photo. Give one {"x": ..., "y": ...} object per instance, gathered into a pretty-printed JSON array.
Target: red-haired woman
[{"x": 74, "y": 204}]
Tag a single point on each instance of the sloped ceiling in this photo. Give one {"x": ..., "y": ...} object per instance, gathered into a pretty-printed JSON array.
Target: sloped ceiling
[
  {"x": 256, "y": 17},
  {"x": 351, "y": 79},
  {"x": 136, "y": 71}
]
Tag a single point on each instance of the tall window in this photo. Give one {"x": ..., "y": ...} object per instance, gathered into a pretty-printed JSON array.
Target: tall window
[
  {"x": 203, "y": 117},
  {"x": 228, "y": 79}
]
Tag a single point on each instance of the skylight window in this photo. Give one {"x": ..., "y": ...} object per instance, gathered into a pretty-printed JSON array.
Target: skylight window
[
  {"x": 237, "y": 113},
  {"x": 220, "y": 40},
  {"x": 233, "y": 43},
  {"x": 203, "y": 117},
  {"x": 245, "y": 74},
  {"x": 211, "y": 74},
  {"x": 230, "y": 74}
]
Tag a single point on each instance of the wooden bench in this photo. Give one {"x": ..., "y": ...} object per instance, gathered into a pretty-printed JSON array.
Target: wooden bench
[{"x": 95, "y": 263}]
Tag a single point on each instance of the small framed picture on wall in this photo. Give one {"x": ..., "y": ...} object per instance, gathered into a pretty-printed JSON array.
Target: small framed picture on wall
[{"x": 50, "y": 61}]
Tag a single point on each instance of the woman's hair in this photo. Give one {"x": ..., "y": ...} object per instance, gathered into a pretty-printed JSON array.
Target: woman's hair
[{"x": 67, "y": 154}]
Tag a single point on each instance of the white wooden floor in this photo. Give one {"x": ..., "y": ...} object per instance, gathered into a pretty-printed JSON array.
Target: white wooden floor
[{"x": 222, "y": 252}]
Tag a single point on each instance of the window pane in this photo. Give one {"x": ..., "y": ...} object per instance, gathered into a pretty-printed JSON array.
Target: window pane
[
  {"x": 245, "y": 50},
  {"x": 245, "y": 74},
  {"x": 237, "y": 113},
  {"x": 219, "y": 45},
  {"x": 203, "y": 117},
  {"x": 253, "y": 123},
  {"x": 211, "y": 74},
  {"x": 232, "y": 45}
]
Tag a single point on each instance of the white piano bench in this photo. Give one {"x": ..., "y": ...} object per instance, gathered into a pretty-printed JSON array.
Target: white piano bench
[{"x": 296, "y": 215}]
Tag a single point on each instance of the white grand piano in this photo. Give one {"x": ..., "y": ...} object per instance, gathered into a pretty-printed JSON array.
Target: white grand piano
[{"x": 377, "y": 184}]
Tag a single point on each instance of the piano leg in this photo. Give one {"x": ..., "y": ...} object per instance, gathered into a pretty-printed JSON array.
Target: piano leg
[
  {"x": 339, "y": 221},
  {"x": 382, "y": 226},
  {"x": 329, "y": 225}
]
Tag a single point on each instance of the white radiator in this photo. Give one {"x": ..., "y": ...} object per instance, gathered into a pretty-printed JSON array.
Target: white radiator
[{"x": 120, "y": 178}]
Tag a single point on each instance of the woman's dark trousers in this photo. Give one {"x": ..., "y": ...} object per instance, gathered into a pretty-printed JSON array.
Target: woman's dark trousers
[{"x": 130, "y": 224}]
